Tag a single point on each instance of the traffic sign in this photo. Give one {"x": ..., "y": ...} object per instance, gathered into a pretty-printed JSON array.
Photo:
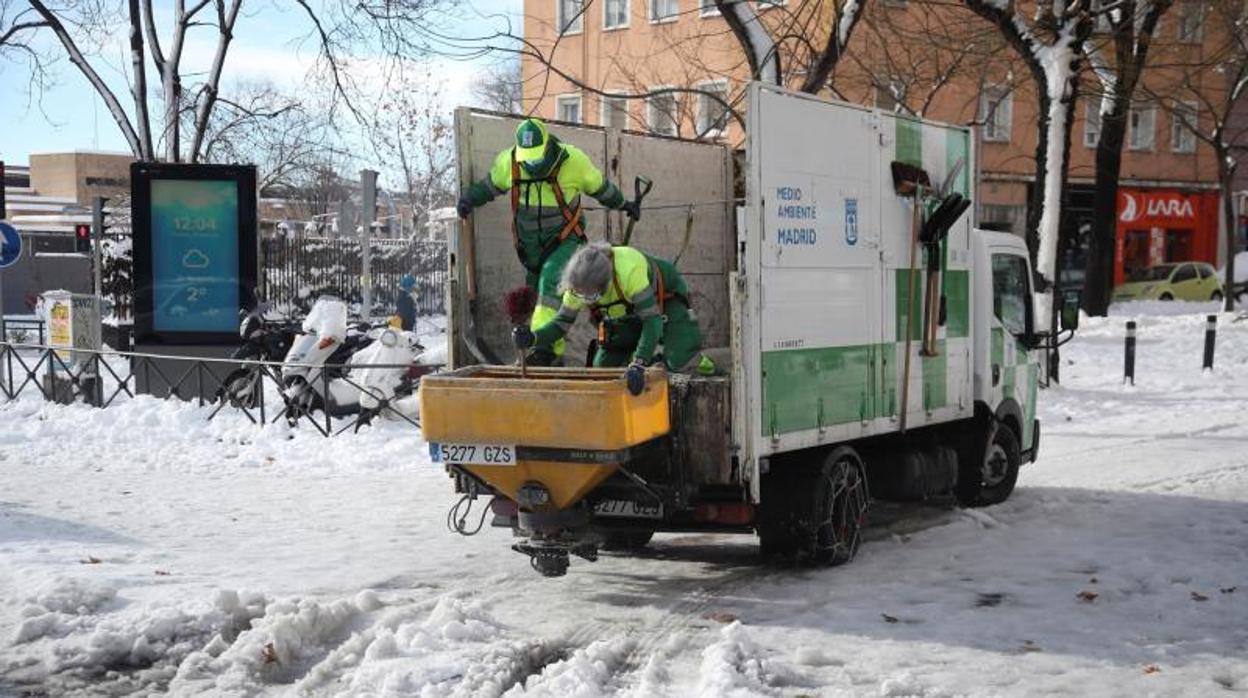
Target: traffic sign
[{"x": 10, "y": 245}]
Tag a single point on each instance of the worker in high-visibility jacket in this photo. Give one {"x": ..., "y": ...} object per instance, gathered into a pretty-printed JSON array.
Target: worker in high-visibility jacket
[
  {"x": 545, "y": 178},
  {"x": 638, "y": 302}
]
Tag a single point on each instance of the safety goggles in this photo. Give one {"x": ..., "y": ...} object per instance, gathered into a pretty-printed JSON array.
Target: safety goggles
[{"x": 589, "y": 297}]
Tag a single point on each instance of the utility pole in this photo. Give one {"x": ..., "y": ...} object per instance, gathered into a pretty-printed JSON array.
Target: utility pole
[
  {"x": 97, "y": 240},
  {"x": 368, "y": 195}
]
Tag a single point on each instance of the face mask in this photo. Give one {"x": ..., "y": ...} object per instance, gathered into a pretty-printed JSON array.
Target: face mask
[{"x": 541, "y": 167}]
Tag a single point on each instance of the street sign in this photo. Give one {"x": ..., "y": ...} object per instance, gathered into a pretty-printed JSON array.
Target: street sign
[{"x": 10, "y": 245}]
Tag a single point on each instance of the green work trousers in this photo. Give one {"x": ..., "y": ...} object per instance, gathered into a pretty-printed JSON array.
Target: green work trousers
[{"x": 682, "y": 339}]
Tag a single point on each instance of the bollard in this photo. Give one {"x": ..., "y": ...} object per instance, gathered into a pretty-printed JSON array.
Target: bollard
[
  {"x": 1128, "y": 367},
  {"x": 1211, "y": 332}
]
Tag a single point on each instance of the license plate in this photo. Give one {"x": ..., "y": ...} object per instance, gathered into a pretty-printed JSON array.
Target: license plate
[
  {"x": 629, "y": 509},
  {"x": 473, "y": 454}
]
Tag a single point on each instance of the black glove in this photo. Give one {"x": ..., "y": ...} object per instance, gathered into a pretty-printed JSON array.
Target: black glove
[
  {"x": 636, "y": 378},
  {"x": 463, "y": 207},
  {"x": 632, "y": 210},
  {"x": 522, "y": 337}
]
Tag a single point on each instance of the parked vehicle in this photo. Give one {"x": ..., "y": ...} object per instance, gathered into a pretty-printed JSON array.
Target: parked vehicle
[
  {"x": 1182, "y": 281},
  {"x": 262, "y": 340},
  {"x": 877, "y": 344},
  {"x": 344, "y": 368}
]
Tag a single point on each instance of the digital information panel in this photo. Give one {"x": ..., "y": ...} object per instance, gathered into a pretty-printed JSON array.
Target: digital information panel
[{"x": 195, "y": 250}]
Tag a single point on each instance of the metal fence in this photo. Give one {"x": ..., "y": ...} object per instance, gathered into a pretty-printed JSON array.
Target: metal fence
[
  {"x": 295, "y": 271},
  {"x": 105, "y": 378}
]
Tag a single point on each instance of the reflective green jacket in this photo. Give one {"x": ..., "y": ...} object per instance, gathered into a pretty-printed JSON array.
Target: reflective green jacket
[
  {"x": 634, "y": 291},
  {"x": 538, "y": 218}
]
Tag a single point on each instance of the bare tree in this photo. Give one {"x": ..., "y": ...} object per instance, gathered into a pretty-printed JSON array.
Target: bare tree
[
  {"x": 500, "y": 88},
  {"x": 412, "y": 135},
  {"x": 371, "y": 29},
  {"x": 1118, "y": 63},
  {"x": 284, "y": 136},
  {"x": 1050, "y": 44},
  {"x": 18, "y": 27},
  {"x": 1201, "y": 95},
  {"x": 908, "y": 57}
]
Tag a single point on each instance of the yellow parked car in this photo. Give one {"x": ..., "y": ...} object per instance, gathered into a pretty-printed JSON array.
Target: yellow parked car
[{"x": 1184, "y": 281}]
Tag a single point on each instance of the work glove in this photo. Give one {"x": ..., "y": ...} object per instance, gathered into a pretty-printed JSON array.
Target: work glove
[
  {"x": 522, "y": 337},
  {"x": 463, "y": 207},
  {"x": 635, "y": 376},
  {"x": 632, "y": 210}
]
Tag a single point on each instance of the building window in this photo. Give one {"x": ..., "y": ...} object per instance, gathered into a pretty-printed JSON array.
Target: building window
[
  {"x": 712, "y": 109},
  {"x": 661, "y": 116},
  {"x": 1008, "y": 219},
  {"x": 1142, "y": 121},
  {"x": 570, "y": 16},
  {"x": 707, "y": 8},
  {"x": 664, "y": 10},
  {"x": 569, "y": 108},
  {"x": 1191, "y": 22},
  {"x": 1092, "y": 120},
  {"x": 615, "y": 112},
  {"x": 1182, "y": 120},
  {"x": 996, "y": 107},
  {"x": 615, "y": 14}
]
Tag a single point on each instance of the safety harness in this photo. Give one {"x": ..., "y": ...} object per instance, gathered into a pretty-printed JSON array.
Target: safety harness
[
  {"x": 599, "y": 312},
  {"x": 572, "y": 218}
]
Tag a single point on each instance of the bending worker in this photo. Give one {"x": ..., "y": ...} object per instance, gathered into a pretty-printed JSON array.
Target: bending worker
[
  {"x": 637, "y": 301},
  {"x": 545, "y": 178}
]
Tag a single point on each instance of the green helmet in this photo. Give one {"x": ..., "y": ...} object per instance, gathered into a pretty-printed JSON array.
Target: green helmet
[{"x": 531, "y": 140}]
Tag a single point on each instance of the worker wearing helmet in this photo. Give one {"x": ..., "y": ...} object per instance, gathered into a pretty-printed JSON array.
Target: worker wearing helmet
[
  {"x": 545, "y": 178},
  {"x": 406, "y": 303},
  {"x": 637, "y": 300}
]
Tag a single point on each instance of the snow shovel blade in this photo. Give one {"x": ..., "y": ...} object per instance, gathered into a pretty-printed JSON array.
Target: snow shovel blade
[
  {"x": 942, "y": 219},
  {"x": 641, "y": 187},
  {"x": 908, "y": 179}
]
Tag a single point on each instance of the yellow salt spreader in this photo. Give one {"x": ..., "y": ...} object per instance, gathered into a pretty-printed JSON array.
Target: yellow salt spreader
[{"x": 542, "y": 439}]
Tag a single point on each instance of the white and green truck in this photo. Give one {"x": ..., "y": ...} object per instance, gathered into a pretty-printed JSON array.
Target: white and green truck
[{"x": 881, "y": 346}]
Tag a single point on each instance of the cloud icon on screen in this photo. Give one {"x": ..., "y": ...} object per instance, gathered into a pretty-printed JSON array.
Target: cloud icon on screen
[{"x": 194, "y": 259}]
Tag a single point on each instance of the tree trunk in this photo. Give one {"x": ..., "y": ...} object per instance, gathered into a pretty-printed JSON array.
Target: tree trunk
[
  {"x": 1226, "y": 173},
  {"x": 1099, "y": 273},
  {"x": 1035, "y": 201},
  {"x": 139, "y": 90}
]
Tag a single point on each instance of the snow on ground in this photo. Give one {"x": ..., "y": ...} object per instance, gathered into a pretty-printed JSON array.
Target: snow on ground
[{"x": 146, "y": 550}]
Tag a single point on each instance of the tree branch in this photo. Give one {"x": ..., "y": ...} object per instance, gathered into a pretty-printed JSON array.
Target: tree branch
[{"x": 79, "y": 61}]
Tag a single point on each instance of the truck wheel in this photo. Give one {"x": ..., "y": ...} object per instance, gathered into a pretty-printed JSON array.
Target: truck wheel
[
  {"x": 990, "y": 479},
  {"x": 627, "y": 540},
  {"x": 1166, "y": 297},
  {"x": 1217, "y": 296},
  {"x": 816, "y": 515}
]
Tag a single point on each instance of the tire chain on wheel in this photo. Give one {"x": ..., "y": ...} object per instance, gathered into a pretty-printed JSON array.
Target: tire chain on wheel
[{"x": 856, "y": 502}]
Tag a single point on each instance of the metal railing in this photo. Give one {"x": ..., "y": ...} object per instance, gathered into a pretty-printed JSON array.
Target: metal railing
[
  {"x": 103, "y": 378},
  {"x": 295, "y": 271}
]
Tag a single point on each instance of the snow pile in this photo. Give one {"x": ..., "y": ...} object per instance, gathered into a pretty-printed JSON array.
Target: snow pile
[
  {"x": 1117, "y": 568},
  {"x": 78, "y": 635},
  {"x": 1133, "y": 309},
  {"x": 585, "y": 674},
  {"x": 733, "y": 666}
]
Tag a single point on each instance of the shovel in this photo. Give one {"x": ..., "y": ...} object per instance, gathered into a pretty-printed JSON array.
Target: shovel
[{"x": 641, "y": 186}]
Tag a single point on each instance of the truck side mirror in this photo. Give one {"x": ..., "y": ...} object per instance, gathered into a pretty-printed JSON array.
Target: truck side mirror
[{"x": 1070, "y": 310}]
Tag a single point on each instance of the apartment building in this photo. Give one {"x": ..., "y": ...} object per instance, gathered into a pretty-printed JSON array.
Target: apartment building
[{"x": 937, "y": 61}]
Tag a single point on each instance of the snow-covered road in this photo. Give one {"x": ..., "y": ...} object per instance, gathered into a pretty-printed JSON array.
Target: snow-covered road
[{"x": 145, "y": 550}]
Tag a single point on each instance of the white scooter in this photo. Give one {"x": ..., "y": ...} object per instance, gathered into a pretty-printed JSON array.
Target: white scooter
[{"x": 348, "y": 385}]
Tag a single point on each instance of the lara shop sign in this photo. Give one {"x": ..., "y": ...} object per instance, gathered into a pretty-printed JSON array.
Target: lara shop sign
[{"x": 1155, "y": 207}]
